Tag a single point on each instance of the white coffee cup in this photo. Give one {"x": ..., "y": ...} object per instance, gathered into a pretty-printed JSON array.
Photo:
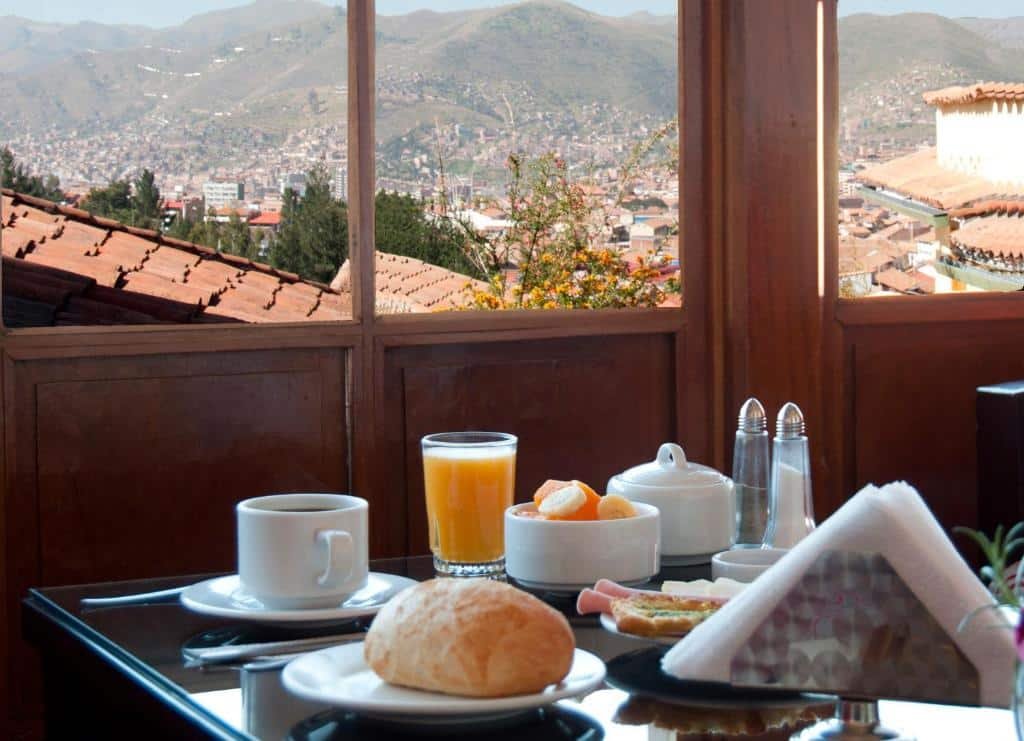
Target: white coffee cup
[{"x": 300, "y": 551}]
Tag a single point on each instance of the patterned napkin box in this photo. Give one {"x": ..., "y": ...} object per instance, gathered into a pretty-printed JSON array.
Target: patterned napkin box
[{"x": 852, "y": 627}]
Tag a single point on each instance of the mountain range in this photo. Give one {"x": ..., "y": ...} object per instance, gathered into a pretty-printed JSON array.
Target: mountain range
[{"x": 279, "y": 65}]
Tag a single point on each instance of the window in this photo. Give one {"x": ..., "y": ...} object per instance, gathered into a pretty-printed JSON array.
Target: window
[
  {"x": 526, "y": 156},
  {"x": 193, "y": 171},
  {"x": 931, "y": 175}
]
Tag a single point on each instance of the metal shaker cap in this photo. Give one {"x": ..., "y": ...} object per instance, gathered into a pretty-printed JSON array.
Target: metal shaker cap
[
  {"x": 752, "y": 417},
  {"x": 790, "y": 422}
]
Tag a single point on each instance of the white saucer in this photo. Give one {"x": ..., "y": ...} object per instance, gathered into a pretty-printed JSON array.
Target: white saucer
[
  {"x": 225, "y": 597},
  {"x": 339, "y": 676},
  {"x": 570, "y": 590},
  {"x": 694, "y": 559},
  {"x": 608, "y": 623}
]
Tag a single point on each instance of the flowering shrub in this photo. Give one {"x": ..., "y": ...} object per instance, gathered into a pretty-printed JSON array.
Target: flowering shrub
[{"x": 554, "y": 226}]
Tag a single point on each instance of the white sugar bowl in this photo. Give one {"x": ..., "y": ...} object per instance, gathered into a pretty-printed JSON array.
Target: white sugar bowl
[{"x": 698, "y": 510}]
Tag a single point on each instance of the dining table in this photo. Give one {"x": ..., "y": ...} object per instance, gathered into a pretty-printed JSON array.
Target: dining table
[{"x": 145, "y": 670}]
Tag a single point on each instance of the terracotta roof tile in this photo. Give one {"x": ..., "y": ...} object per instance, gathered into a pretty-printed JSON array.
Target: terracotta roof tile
[
  {"x": 259, "y": 281},
  {"x": 82, "y": 237},
  {"x": 296, "y": 303},
  {"x": 920, "y": 177},
  {"x": 153, "y": 285},
  {"x": 982, "y": 91},
  {"x": 896, "y": 280},
  {"x": 103, "y": 272},
  {"x": 170, "y": 263},
  {"x": 213, "y": 274},
  {"x": 54, "y": 253},
  {"x": 16, "y": 243},
  {"x": 996, "y": 234},
  {"x": 414, "y": 285}
]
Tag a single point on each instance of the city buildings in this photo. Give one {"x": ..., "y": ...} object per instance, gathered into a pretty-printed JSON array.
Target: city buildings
[{"x": 223, "y": 193}]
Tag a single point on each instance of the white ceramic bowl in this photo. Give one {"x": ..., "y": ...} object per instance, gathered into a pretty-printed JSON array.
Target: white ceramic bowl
[
  {"x": 745, "y": 564},
  {"x": 567, "y": 556},
  {"x": 698, "y": 520}
]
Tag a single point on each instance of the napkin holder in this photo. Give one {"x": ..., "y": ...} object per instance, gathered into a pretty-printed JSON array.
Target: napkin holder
[
  {"x": 869, "y": 605},
  {"x": 852, "y": 627}
]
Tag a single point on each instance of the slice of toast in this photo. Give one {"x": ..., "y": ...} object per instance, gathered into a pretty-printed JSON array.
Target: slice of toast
[{"x": 660, "y": 614}]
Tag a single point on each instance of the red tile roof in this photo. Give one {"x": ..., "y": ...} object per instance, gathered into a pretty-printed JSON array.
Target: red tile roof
[
  {"x": 975, "y": 93},
  {"x": 63, "y": 266},
  {"x": 267, "y": 218},
  {"x": 1000, "y": 234},
  {"x": 920, "y": 177},
  {"x": 407, "y": 285}
]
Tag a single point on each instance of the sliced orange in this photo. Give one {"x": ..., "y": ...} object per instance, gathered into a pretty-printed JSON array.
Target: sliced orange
[
  {"x": 548, "y": 487},
  {"x": 588, "y": 511}
]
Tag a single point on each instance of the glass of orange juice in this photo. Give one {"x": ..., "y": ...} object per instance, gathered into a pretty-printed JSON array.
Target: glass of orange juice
[{"x": 469, "y": 480}]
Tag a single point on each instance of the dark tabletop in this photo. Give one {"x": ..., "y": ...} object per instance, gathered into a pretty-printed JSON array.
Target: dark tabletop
[{"x": 143, "y": 643}]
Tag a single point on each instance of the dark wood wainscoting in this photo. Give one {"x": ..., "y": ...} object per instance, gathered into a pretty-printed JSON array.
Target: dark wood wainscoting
[
  {"x": 910, "y": 406},
  {"x": 130, "y": 466},
  {"x": 583, "y": 407}
]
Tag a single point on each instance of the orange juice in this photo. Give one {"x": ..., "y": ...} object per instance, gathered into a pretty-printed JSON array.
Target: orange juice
[{"x": 468, "y": 490}]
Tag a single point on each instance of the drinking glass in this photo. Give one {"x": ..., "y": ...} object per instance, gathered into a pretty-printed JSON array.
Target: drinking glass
[{"x": 469, "y": 480}]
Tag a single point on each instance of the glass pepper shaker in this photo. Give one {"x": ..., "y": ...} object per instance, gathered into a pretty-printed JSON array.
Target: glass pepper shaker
[{"x": 750, "y": 475}]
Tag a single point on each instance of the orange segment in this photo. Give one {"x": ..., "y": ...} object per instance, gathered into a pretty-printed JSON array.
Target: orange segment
[
  {"x": 549, "y": 487},
  {"x": 589, "y": 509}
]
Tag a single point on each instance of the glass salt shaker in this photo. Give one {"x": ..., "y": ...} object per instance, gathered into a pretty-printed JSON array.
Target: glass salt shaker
[
  {"x": 791, "y": 513},
  {"x": 750, "y": 475}
]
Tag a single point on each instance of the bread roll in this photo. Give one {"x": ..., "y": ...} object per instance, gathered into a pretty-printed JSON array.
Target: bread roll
[{"x": 472, "y": 637}]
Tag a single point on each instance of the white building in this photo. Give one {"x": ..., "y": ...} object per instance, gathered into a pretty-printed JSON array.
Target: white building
[
  {"x": 979, "y": 130},
  {"x": 218, "y": 194},
  {"x": 295, "y": 181}
]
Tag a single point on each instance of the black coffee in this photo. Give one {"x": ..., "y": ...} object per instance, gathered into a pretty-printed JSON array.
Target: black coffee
[{"x": 305, "y": 509}]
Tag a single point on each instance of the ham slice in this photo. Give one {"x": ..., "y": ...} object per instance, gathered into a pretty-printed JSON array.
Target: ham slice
[{"x": 599, "y": 599}]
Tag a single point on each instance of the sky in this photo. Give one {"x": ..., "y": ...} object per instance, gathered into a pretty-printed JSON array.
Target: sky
[{"x": 160, "y": 14}]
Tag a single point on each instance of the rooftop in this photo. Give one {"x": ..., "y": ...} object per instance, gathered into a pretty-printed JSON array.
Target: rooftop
[
  {"x": 981, "y": 91},
  {"x": 64, "y": 266},
  {"x": 920, "y": 177},
  {"x": 407, "y": 285}
]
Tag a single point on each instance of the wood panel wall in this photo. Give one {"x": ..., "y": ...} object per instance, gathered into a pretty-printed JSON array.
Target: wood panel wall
[
  {"x": 910, "y": 413},
  {"x": 583, "y": 408},
  {"x": 129, "y": 466}
]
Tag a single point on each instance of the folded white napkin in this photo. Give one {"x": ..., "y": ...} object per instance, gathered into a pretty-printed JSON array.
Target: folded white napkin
[{"x": 777, "y": 621}]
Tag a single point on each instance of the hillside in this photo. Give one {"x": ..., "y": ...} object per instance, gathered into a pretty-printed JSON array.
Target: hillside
[
  {"x": 874, "y": 48},
  {"x": 27, "y": 45},
  {"x": 538, "y": 75},
  {"x": 1007, "y": 32}
]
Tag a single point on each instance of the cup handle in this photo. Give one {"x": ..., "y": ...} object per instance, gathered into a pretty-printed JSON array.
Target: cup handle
[{"x": 340, "y": 557}]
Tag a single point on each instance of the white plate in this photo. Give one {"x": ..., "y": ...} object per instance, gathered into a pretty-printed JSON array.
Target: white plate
[
  {"x": 225, "y": 597},
  {"x": 608, "y": 623},
  {"x": 339, "y": 676}
]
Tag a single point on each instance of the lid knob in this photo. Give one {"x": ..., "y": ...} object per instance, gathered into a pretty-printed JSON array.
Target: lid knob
[
  {"x": 752, "y": 417},
  {"x": 671, "y": 455},
  {"x": 790, "y": 422}
]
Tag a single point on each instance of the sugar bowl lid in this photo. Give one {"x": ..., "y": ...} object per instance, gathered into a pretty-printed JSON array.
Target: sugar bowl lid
[{"x": 670, "y": 469}]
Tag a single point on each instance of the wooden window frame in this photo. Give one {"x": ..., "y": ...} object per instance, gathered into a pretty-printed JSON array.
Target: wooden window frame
[
  {"x": 365, "y": 326},
  {"x": 881, "y": 310}
]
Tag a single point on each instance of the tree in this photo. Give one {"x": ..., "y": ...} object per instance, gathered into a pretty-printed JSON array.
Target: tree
[
  {"x": 404, "y": 227},
  {"x": 136, "y": 203},
  {"x": 146, "y": 198},
  {"x": 15, "y": 176},
  {"x": 551, "y": 245},
  {"x": 113, "y": 201},
  {"x": 313, "y": 240},
  {"x": 236, "y": 239}
]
